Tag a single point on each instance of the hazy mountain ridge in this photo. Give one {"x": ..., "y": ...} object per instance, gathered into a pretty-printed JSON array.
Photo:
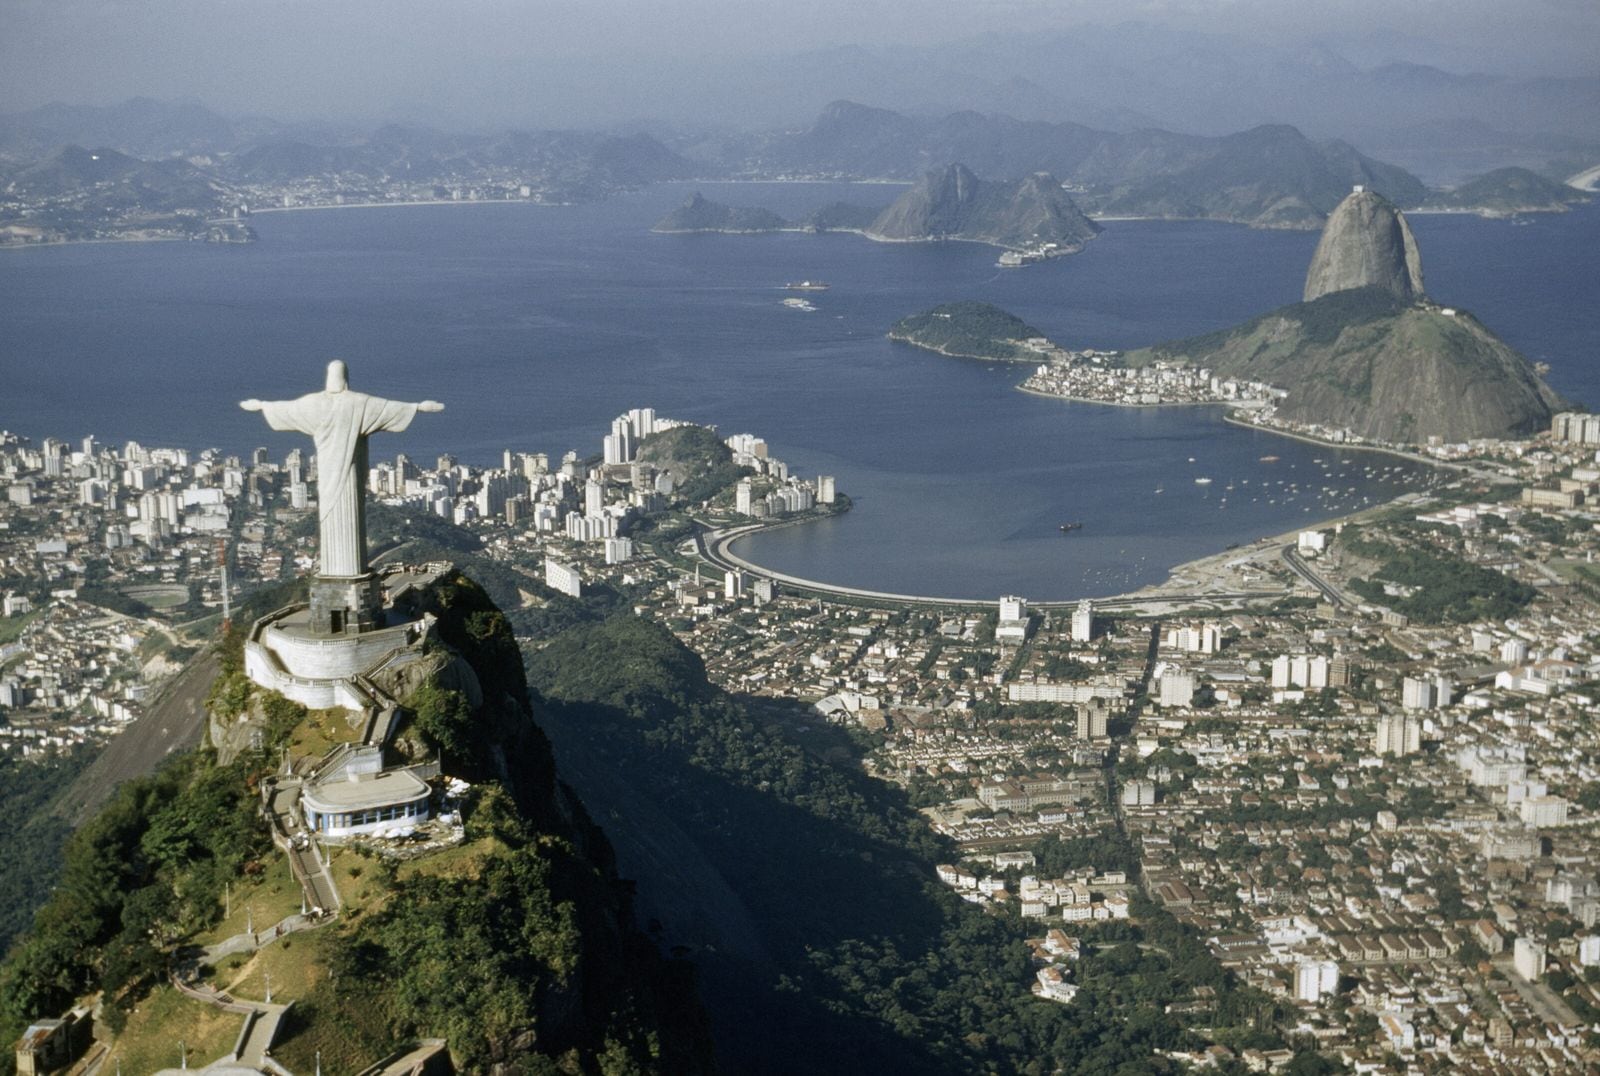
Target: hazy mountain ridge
[
  {"x": 72, "y": 193},
  {"x": 115, "y": 179},
  {"x": 1269, "y": 176},
  {"x": 1266, "y": 176},
  {"x": 1131, "y": 75}
]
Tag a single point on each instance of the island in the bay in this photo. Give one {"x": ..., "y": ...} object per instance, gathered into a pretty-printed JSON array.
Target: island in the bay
[
  {"x": 974, "y": 330},
  {"x": 1506, "y": 192},
  {"x": 1366, "y": 356},
  {"x": 1031, "y": 219}
]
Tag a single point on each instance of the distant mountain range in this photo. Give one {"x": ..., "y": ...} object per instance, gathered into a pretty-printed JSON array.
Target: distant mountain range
[
  {"x": 187, "y": 162},
  {"x": 115, "y": 181},
  {"x": 1401, "y": 101},
  {"x": 164, "y": 170},
  {"x": 576, "y": 163},
  {"x": 1269, "y": 176}
]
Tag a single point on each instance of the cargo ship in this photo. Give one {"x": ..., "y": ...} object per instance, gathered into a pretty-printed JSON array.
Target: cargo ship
[{"x": 807, "y": 285}]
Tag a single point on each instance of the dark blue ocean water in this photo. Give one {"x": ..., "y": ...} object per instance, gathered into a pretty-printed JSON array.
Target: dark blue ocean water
[{"x": 536, "y": 325}]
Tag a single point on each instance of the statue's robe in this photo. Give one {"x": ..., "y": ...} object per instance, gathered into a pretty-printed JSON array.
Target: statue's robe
[{"x": 339, "y": 423}]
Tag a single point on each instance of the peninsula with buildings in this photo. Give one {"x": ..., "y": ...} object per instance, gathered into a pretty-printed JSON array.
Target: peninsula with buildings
[{"x": 1366, "y": 358}]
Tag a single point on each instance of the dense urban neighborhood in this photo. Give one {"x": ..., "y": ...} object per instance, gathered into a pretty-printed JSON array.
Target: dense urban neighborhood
[{"x": 1370, "y": 787}]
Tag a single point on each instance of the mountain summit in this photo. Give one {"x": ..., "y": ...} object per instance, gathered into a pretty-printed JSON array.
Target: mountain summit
[
  {"x": 1367, "y": 352},
  {"x": 1366, "y": 243}
]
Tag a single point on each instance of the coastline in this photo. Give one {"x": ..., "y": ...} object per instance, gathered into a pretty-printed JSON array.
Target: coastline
[
  {"x": 1225, "y": 404},
  {"x": 398, "y": 205},
  {"x": 1413, "y": 457},
  {"x": 1201, "y": 581},
  {"x": 958, "y": 354},
  {"x": 102, "y": 242},
  {"x": 1064, "y": 252},
  {"x": 278, "y": 209},
  {"x": 715, "y": 546},
  {"x": 1229, "y": 407}
]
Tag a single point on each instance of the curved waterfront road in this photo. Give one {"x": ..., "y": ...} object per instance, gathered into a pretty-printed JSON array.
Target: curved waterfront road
[{"x": 713, "y": 547}]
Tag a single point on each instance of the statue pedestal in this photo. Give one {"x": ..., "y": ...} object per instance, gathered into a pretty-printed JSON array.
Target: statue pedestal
[
  {"x": 288, "y": 652},
  {"x": 346, "y": 605}
]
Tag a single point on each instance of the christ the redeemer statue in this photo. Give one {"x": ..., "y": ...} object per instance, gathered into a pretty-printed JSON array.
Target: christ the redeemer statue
[{"x": 340, "y": 421}]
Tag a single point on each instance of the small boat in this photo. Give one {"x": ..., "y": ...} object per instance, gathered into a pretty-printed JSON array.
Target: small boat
[
  {"x": 1202, "y": 481},
  {"x": 1068, "y": 528},
  {"x": 807, "y": 285},
  {"x": 1269, "y": 459}
]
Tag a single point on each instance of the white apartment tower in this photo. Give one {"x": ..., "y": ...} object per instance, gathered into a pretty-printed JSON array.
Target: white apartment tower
[
  {"x": 1398, "y": 734},
  {"x": 1083, "y": 622}
]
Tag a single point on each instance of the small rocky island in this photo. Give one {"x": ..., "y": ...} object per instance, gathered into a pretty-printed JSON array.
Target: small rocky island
[
  {"x": 1031, "y": 214},
  {"x": 699, "y": 214},
  {"x": 973, "y": 330}
]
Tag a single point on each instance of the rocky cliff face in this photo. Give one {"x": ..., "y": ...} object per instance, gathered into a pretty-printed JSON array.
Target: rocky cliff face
[
  {"x": 1366, "y": 243},
  {"x": 952, "y": 203},
  {"x": 1363, "y": 360}
]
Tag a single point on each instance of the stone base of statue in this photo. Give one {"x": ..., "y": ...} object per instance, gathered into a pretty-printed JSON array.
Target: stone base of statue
[
  {"x": 345, "y": 606},
  {"x": 313, "y": 653}
]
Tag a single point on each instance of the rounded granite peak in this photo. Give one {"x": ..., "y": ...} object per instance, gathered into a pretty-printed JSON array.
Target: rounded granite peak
[{"x": 1366, "y": 243}]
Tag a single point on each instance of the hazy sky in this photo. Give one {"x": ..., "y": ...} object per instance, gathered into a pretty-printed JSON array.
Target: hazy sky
[{"x": 573, "y": 61}]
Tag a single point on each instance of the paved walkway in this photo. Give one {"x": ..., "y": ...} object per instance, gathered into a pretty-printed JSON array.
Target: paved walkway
[
  {"x": 262, "y": 1021},
  {"x": 304, "y": 863},
  {"x": 249, "y": 941}
]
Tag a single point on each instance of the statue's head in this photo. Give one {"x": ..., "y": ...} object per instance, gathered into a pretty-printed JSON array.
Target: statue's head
[{"x": 338, "y": 376}]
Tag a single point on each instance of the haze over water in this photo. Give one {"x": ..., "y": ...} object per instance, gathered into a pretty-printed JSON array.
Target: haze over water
[{"x": 536, "y": 325}]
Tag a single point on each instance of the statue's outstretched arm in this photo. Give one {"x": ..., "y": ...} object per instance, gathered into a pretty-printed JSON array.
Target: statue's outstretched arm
[
  {"x": 251, "y": 405},
  {"x": 430, "y": 405}
]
